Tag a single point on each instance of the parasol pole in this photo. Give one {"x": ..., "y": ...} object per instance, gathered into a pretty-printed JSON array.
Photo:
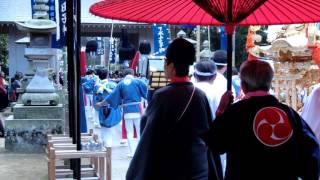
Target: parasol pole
[
  {"x": 233, "y": 48},
  {"x": 229, "y": 30},
  {"x": 209, "y": 38},
  {"x": 110, "y": 46},
  {"x": 198, "y": 42}
]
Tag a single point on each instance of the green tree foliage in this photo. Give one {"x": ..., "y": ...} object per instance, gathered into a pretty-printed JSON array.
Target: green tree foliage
[
  {"x": 4, "y": 51},
  {"x": 214, "y": 38},
  {"x": 240, "y": 45},
  {"x": 240, "y": 40},
  {"x": 214, "y": 35}
]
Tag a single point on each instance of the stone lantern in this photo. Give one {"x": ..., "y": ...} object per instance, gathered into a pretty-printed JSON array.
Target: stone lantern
[{"x": 40, "y": 112}]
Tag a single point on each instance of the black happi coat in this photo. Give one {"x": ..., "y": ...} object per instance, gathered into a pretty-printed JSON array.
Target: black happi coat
[
  {"x": 246, "y": 135},
  {"x": 169, "y": 150}
]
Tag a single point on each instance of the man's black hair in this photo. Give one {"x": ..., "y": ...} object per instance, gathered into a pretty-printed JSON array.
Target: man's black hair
[
  {"x": 89, "y": 71},
  {"x": 182, "y": 54},
  {"x": 220, "y": 57},
  {"x": 145, "y": 47},
  {"x": 235, "y": 71},
  {"x": 103, "y": 74}
]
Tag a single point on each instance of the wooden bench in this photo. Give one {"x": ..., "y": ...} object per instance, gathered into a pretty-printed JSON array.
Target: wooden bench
[{"x": 60, "y": 147}]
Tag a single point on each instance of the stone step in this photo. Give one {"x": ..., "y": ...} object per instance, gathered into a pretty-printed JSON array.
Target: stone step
[
  {"x": 82, "y": 178},
  {"x": 68, "y": 173},
  {"x": 30, "y": 135},
  {"x": 38, "y": 112}
]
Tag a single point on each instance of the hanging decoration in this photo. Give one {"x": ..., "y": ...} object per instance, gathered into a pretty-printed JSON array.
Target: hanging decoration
[
  {"x": 161, "y": 38},
  {"x": 112, "y": 52}
]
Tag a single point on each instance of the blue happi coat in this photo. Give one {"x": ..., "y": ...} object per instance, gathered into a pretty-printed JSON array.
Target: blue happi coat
[
  {"x": 108, "y": 116},
  {"x": 128, "y": 92},
  {"x": 102, "y": 89},
  {"x": 88, "y": 83}
]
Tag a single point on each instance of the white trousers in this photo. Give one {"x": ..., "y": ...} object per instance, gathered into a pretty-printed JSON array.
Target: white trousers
[
  {"x": 223, "y": 158},
  {"x": 130, "y": 123},
  {"x": 89, "y": 106},
  {"x": 106, "y": 136},
  {"x": 96, "y": 120}
]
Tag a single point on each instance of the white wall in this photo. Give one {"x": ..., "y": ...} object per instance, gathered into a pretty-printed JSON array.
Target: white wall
[{"x": 17, "y": 61}]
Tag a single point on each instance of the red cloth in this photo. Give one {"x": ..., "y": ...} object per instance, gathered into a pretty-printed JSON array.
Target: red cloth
[
  {"x": 249, "y": 41},
  {"x": 13, "y": 96},
  {"x": 124, "y": 132},
  {"x": 135, "y": 61},
  {"x": 250, "y": 44},
  {"x": 251, "y": 57},
  {"x": 180, "y": 79},
  {"x": 2, "y": 88},
  {"x": 316, "y": 54},
  {"x": 123, "y": 128},
  {"x": 82, "y": 63},
  {"x": 84, "y": 98}
]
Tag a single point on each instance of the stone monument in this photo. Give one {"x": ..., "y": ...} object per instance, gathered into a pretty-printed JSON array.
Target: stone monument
[
  {"x": 39, "y": 112},
  {"x": 206, "y": 53},
  {"x": 182, "y": 34}
]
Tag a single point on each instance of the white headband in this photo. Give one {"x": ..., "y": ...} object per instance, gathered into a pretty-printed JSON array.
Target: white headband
[
  {"x": 204, "y": 73},
  {"x": 220, "y": 64}
]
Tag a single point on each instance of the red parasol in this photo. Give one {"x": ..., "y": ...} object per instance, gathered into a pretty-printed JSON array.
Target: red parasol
[{"x": 211, "y": 12}]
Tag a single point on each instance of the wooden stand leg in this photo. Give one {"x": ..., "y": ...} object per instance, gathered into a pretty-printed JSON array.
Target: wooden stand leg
[
  {"x": 108, "y": 159},
  {"x": 59, "y": 148},
  {"x": 102, "y": 168},
  {"x": 92, "y": 161},
  {"x": 51, "y": 165},
  {"x": 95, "y": 164}
]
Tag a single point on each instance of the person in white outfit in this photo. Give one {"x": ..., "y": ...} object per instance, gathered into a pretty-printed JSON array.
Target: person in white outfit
[
  {"x": 101, "y": 91},
  {"x": 219, "y": 86},
  {"x": 205, "y": 74},
  {"x": 220, "y": 83},
  {"x": 88, "y": 83},
  {"x": 310, "y": 112}
]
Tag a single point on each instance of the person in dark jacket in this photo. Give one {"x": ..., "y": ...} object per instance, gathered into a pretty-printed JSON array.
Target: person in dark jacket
[
  {"x": 178, "y": 115},
  {"x": 15, "y": 84},
  {"x": 263, "y": 138}
]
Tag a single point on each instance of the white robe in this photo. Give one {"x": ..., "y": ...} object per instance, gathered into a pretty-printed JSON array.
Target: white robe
[
  {"x": 219, "y": 86},
  {"x": 211, "y": 96},
  {"x": 311, "y": 111}
]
